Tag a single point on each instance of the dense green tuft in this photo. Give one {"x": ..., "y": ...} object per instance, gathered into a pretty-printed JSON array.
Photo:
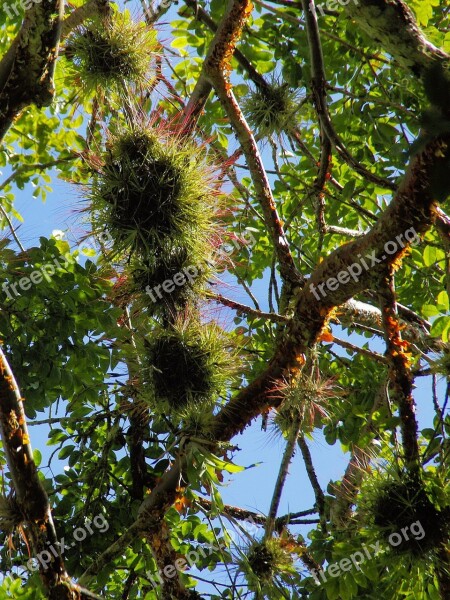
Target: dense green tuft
[
  {"x": 267, "y": 559},
  {"x": 271, "y": 110},
  {"x": 190, "y": 364},
  {"x": 395, "y": 504},
  {"x": 152, "y": 192},
  {"x": 10, "y": 514},
  {"x": 172, "y": 278},
  {"x": 113, "y": 52}
]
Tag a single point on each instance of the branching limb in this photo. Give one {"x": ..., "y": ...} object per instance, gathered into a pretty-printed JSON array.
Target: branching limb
[
  {"x": 319, "y": 86},
  {"x": 412, "y": 207},
  {"x": 247, "y": 310},
  {"x": 88, "y": 10},
  {"x": 216, "y": 68},
  {"x": 402, "y": 381},
  {"x": 26, "y": 71},
  {"x": 393, "y": 26},
  {"x": 30, "y": 495},
  {"x": 318, "y": 492}
]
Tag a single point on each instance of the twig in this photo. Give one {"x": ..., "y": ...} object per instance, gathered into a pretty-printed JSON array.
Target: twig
[
  {"x": 281, "y": 479},
  {"x": 247, "y": 310},
  {"x": 11, "y": 227}
]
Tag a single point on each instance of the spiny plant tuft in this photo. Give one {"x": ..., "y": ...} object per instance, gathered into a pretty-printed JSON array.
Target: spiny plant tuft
[
  {"x": 265, "y": 560},
  {"x": 186, "y": 274},
  {"x": 112, "y": 52},
  {"x": 153, "y": 191},
  {"x": 395, "y": 503},
  {"x": 190, "y": 364},
  {"x": 10, "y": 514},
  {"x": 304, "y": 400},
  {"x": 271, "y": 110},
  {"x": 197, "y": 423}
]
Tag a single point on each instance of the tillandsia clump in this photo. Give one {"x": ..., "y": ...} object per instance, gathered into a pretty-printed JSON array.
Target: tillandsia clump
[
  {"x": 271, "y": 109},
  {"x": 441, "y": 366},
  {"x": 112, "y": 52},
  {"x": 265, "y": 560},
  {"x": 397, "y": 504},
  {"x": 304, "y": 401},
  {"x": 10, "y": 514},
  {"x": 198, "y": 423},
  {"x": 172, "y": 278},
  {"x": 153, "y": 191},
  {"x": 190, "y": 364}
]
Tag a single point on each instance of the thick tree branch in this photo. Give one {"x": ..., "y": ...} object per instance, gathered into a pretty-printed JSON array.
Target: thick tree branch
[
  {"x": 412, "y": 207},
  {"x": 401, "y": 378},
  {"x": 216, "y": 68},
  {"x": 220, "y": 51},
  {"x": 392, "y": 25},
  {"x": 31, "y": 497},
  {"x": 81, "y": 14},
  {"x": 26, "y": 71}
]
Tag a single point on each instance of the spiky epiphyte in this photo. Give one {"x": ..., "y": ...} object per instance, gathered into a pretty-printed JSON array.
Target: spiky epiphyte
[
  {"x": 441, "y": 365},
  {"x": 172, "y": 278},
  {"x": 271, "y": 110},
  {"x": 395, "y": 504},
  {"x": 197, "y": 423},
  {"x": 10, "y": 514},
  {"x": 190, "y": 364},
  {"x": 265, "y": 560},
  {"x": 153, "y": 191},
  {"x": 305, "y": 400},
  {"x": 112, "y": 52}
]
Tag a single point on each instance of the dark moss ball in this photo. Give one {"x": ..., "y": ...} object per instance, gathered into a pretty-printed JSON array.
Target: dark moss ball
[
  {"x": 182, "y": 372},
  {"x": 401, "y": 504},
  {"x": 261, "y": 560},
  {"x": 143, "y": 194}
]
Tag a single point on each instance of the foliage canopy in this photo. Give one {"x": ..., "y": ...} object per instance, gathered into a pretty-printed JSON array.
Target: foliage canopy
[{"x": 263, "y": 236}]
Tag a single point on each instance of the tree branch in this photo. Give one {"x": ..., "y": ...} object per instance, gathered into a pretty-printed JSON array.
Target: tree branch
[
  {"x": 392, "y": 25},
  {"x": 26, "y": 71},
  {"x": 31, "y": 497}
]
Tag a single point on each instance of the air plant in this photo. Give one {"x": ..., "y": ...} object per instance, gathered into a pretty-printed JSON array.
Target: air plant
[
  {"x": 304, "y": 400},
  {"x": 152, "y": 191},
  {"x": 184, "y": 273},
  {"x": 271, "y": 109},
  {"x": 267, "y": 566},
  {"x": 112, "y": 52},
  {"x": 396, "y": 500},
  {"x": 189, "y": 364},
  {"x": 10, "y": 514},
  {"x": 197, "y": 423}
]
